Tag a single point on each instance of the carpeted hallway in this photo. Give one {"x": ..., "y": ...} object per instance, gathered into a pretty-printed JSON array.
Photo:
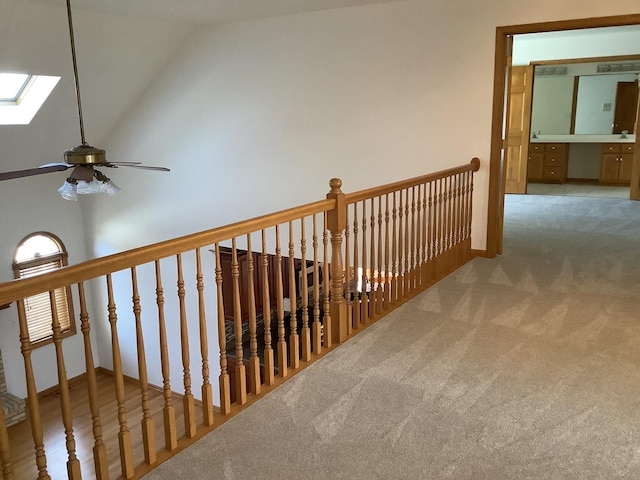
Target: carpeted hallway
[{"x": 526, "y": 366}]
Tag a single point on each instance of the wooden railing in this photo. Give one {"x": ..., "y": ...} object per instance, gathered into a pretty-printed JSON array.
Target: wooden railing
[{"x": 347, "y": 261}]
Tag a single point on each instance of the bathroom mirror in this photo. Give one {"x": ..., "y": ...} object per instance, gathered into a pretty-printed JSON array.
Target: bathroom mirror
[{"x": 580, "y": 99}]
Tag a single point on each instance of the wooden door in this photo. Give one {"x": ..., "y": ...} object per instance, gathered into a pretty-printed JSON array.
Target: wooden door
[
  {"x": 520, "y": 91},
  {"x": 626, "y": 106}
]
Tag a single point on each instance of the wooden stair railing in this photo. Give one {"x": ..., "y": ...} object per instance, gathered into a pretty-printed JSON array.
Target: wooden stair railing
[{"x": 275, "y": 313}]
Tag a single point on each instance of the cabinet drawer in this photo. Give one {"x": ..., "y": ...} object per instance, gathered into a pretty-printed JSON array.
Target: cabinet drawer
[
  {"x": 626, "y": 147},
  {"x": 554, "y": 147},
  {"x": 536, "y": 147},
  {"x": 611, "y": 147},
  {"x": 554, "y": 173},
  {"x": 554, "y": 160}
]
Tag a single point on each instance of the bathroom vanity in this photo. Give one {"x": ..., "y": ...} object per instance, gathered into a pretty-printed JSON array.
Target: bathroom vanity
[{"x": 606, "y": 159}]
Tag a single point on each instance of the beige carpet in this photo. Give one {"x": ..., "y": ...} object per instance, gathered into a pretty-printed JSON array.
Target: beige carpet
[{"x": 522, "y": 367}]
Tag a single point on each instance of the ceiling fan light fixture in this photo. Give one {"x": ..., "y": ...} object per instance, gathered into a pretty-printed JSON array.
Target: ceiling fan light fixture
[
  {"x": 68, "y": 191},
  {"x": 100, "y": 183}
]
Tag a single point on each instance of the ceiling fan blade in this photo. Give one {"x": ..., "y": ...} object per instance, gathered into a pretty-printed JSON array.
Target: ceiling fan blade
[
  {"x": 32, "y": 171},
  {"x": 147, "y": 167},
  {"x": 122, "y": 163},
  {"x": 52, "y": 164}
]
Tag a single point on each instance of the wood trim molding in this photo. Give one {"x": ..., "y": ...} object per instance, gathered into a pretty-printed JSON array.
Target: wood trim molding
[{"x": 6, "y": 305}]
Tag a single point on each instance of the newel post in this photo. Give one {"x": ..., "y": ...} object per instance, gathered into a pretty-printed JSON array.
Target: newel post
[{"x": 336, "y": 223}]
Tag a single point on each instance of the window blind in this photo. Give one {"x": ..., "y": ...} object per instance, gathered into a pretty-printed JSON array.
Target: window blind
[{"x": 38, "y": 307}]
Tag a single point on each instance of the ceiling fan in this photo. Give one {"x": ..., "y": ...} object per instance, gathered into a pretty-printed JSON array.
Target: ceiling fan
[{"x": 84, "y": 159}]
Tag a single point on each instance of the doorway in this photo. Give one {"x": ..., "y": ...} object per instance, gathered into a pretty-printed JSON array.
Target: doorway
[{"x": 495, "y": 220}]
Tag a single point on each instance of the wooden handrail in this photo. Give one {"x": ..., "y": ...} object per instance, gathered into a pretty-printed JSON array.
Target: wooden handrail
[
  {"x": 65, "y": 276},
  {"x": 371, "y": 251},
  {"x": 473, "y": 166}
]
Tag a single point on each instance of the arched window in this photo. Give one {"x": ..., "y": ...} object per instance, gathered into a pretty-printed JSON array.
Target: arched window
[{"x": 36, "y": 254}]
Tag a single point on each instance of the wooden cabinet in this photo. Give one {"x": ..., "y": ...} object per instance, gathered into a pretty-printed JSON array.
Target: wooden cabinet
[
  {"x": 616, "y": 163},
  {"x": 547, "y": 162},
  {"x": 226, "y": 263}
]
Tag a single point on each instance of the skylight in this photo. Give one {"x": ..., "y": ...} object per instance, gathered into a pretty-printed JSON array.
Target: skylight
[
  {"x": 12, "y": 85},
  {"x": 22, "y": 95}
]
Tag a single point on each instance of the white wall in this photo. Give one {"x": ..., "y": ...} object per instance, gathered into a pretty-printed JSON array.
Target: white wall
[{"x": 117, "y": 58}]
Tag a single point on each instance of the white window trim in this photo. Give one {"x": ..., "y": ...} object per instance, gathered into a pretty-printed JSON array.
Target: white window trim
[{"x": 22, "y": 111}]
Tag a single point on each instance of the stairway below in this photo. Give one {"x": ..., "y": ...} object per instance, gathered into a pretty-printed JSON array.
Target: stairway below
[{"x": 14, "y": 407}]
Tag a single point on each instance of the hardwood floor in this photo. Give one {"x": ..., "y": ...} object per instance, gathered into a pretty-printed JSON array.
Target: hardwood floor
[{"x": 23, "y": 453}]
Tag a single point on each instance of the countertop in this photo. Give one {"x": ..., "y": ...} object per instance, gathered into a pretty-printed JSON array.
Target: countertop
[{"x": 631, "y": 138}]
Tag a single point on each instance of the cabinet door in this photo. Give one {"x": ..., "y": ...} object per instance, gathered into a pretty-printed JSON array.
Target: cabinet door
[
  {"x": 535, "y": 166},
  {"x": 609, "y": 168},
  {"x": 624, "y": 173}
]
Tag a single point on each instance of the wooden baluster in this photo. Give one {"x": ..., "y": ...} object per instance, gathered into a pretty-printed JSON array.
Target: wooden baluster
[
  {"x": 168, "y": 410},
  {"x": 407, "y": 251},
  {"x": 437, "y": 222},
  {"x": 33, "y": 404},
  {"x": 148, "y": 432},
  {"x": 347, "y": 275},
  {"x": 240, "y": 370},
  {"x": 224, "y": 381},
  {"x": 254, "y": 361},
  {"x": 188, "y": 402},
  {"x": 73, "y": 464},
  {"x": 380, "y": 290},
  {"x": 469, "y": 203},
  {"x": 207, "y": 389},
  {"x": 450, "y": 213},
  {"x": 327, "y": 283},
  {"x": 282, "y": 343},
  {"x": 305, "y": 338},
  {"x": 430, "y": 230},
  {"x": 124, "y": 435},
  {"x": 394, "y": 251},
  {"x": 415, "y": 236},
  {"x": 100, "y": 460},
  {"x": 294, "y": 345},
  {"x": 422, "y": 189},
  {"x": 372, "y": 266},
  {"x": 465, "y": 207},
  {"x": 425, "y": 238},
  {"x": 317, "y": 326},
  {"x": 387, "y": 253},
  {"x": 456, "y": 215},
  {"x": 414, "y": 231},
  {"x": 5, "y": 457},
  {"x": 463, "y": 210},
  {"x": 401, "y": 265},
  {"x": 364, "y": 278},
  {"x": 357, "y": 277},
  {"x": 269, "y": 367},
  {"x": 443, "y": 216}
]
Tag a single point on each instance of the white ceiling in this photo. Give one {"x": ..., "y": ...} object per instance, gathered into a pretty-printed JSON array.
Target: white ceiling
[{"x": 209, "y": 11}]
